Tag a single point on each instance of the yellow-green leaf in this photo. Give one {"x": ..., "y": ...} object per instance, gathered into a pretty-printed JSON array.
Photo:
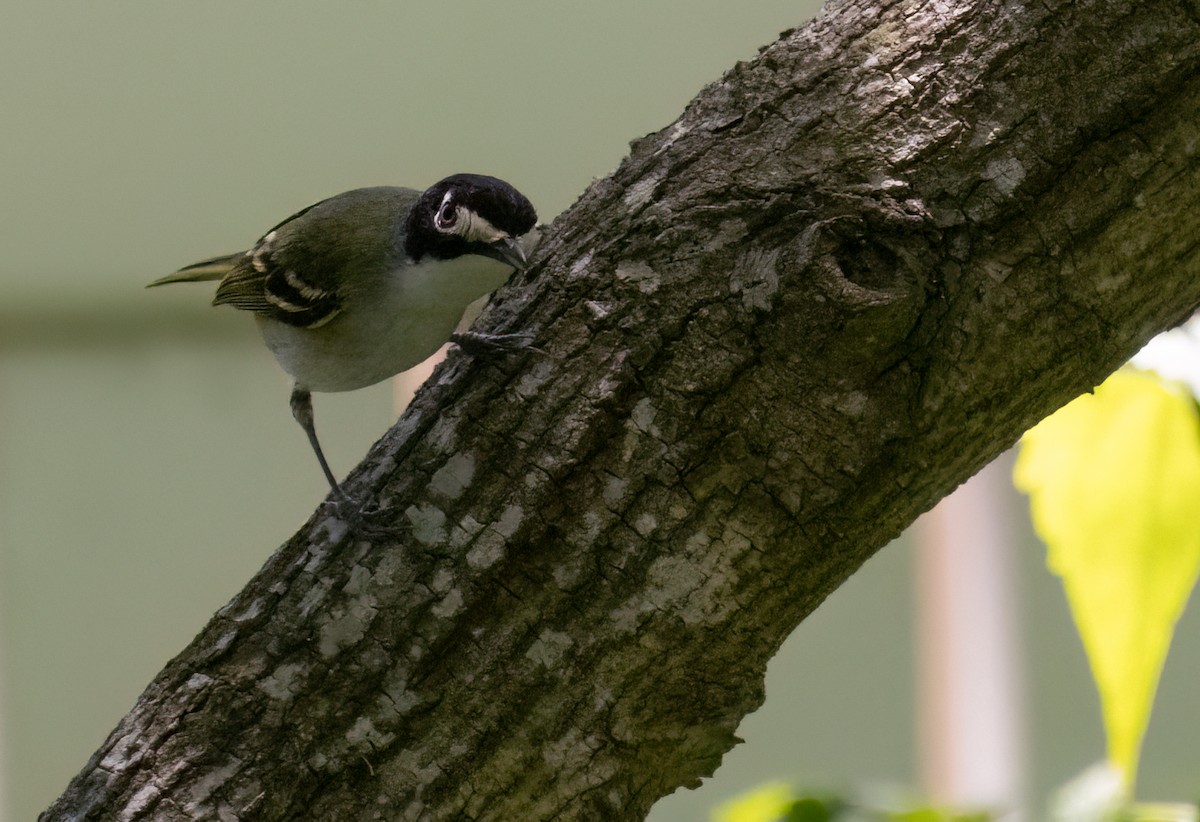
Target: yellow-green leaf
[
  {"x": 1114, "y": 486},
  {"x": 766, "y": 803}
]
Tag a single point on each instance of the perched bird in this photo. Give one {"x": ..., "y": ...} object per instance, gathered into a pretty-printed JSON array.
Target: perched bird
[{"x": 361, "y": 286}]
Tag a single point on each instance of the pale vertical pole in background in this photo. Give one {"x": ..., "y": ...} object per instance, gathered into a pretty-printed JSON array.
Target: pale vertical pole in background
[
  {"x": 405, "y": 385},
  {"x": 971, "y": 715}
]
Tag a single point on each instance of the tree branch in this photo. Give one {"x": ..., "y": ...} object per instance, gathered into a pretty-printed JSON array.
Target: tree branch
[{"x": 851, "y": 273}]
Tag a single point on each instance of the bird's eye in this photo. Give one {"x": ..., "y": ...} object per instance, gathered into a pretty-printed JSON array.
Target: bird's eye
[{"x": 446, "y": 215}]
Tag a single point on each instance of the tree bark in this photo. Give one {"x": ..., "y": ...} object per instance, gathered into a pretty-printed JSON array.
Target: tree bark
[{"x": 851, "y": 273}]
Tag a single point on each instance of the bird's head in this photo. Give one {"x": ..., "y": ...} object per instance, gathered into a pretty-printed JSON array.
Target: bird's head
[{"x": 469, "y": 214}]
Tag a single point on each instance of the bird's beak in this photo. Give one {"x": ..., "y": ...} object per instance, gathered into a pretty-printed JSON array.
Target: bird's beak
[{"x": 509, "y": 250}]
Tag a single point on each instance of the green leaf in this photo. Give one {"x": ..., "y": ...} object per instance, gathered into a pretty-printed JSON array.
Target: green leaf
[
  {"x": 1162, "y": 812},
  {"x": 813, "y": 809},
  {"x": 1114, "y": 485},
  {"x": 769, "y": 802}
]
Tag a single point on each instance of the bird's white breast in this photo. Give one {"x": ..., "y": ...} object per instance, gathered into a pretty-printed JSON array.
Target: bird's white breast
[{"x": 388, "y": 324}]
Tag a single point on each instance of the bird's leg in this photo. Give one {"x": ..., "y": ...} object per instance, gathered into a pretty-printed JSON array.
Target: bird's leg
[
  {"x": 303, "y": 412},
  {"x": 346, "y": 506}
]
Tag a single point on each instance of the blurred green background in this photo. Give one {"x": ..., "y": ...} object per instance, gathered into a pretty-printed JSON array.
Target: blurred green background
[{"x": 148, "y": 460}]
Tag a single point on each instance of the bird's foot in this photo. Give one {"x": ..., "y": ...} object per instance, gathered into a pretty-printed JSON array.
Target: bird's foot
[{"x": 365, "y": 518}]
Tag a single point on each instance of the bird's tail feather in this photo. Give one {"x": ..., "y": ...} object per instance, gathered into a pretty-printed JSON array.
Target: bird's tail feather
[{"x": 213, "y": 269}]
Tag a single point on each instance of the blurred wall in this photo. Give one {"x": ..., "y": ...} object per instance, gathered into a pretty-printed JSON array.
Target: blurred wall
[{"x": 148, "y": 460}]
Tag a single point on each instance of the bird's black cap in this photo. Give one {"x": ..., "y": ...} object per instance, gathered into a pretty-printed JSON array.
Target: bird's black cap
[{"x": 435, "y": 225}]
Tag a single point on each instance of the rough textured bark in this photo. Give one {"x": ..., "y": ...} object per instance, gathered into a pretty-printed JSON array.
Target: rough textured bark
[{"x": 852, "y": 272}]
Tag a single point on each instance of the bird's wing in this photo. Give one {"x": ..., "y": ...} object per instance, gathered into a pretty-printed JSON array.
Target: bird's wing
[
  {"x": 263, "y": 281},
  {"x": 296, "y": 273}
]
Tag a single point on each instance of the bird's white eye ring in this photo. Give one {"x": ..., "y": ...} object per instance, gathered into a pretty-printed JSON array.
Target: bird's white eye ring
[{"x": 446, "y": 215}]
